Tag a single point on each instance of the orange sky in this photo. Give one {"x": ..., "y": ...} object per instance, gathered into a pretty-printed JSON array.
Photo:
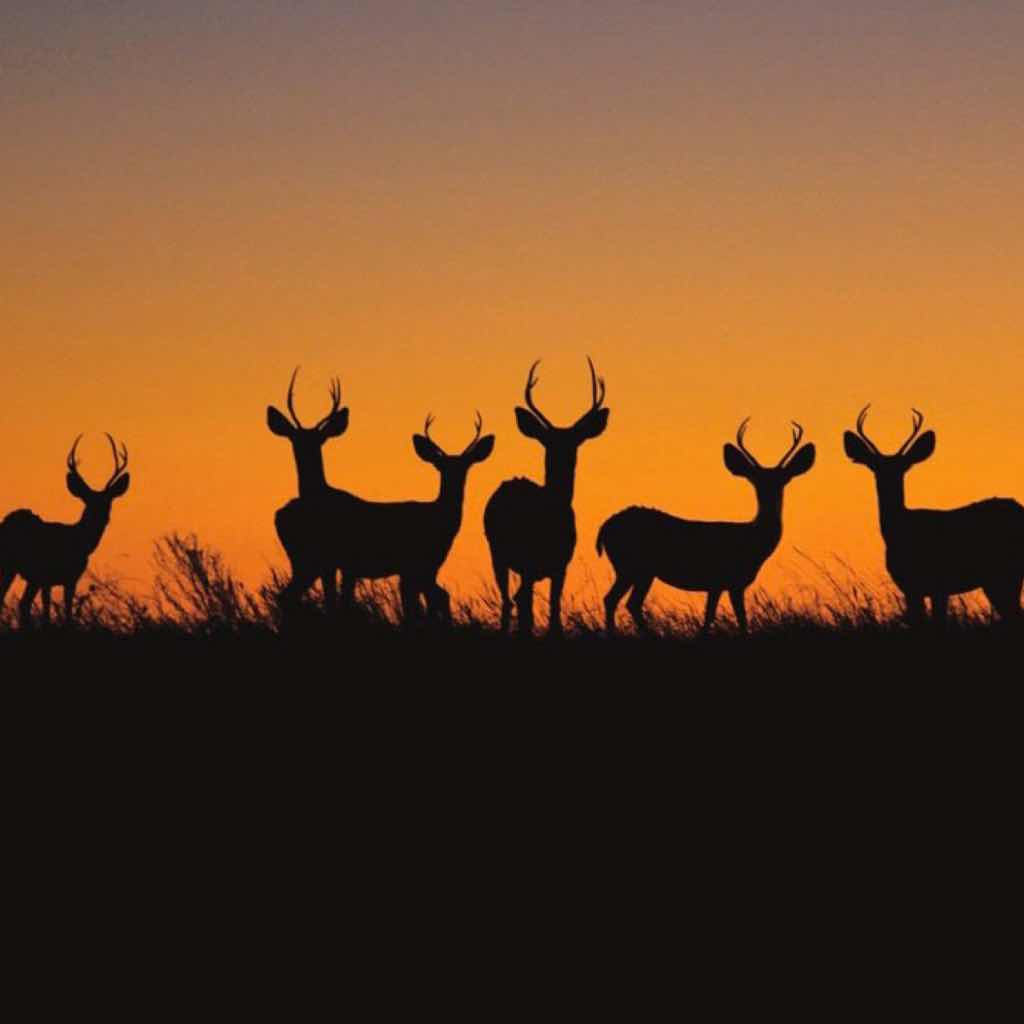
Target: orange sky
[{"x": 736, "y": 213}]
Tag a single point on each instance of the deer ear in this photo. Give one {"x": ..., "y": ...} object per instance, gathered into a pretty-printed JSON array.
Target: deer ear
[
  {"x": 922, "y": 448},
  {"x": 856, "y": 450},
  {"x": 119, "y": 486},
  {"x": 278, "y": 423},
  {"x": 426, "y": 449},
  {"x": 482, "y": 449},
  {"x": 591, "y": 424},
  {"x": 336, "y": 425},
  {"x": 78, "y": 487},
  {"x": 736, "y": 462},
  {"x": 529, "y": 425},
  {"x": 802, "y": 461}
]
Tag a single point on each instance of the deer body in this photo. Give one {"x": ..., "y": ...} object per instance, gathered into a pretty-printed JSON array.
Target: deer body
[
  {"x": 48, "y": 555},
  {"x": 326, "y": 530},
  {"x": 684, "y": 553},
  {"x": 305, "y": 539},
  {"x": 937, "y": 553},
  {"x": 531, "y": 528},
  {"x": 645, "y": 544}
]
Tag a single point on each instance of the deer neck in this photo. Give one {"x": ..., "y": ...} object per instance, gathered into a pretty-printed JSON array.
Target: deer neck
[
  {"x": 91, "y": 526},
  {"x": 310, "y": 470},
  {"x": 892, "y": 504},
  {"x": 768, "y": 520},
  {"x": 560, "y": 475},
  {"x": 450, "y": 498}
]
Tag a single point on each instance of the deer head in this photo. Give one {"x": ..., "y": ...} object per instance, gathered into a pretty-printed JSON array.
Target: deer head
[
  {"x": 889, "y": 468},
  {"x": 98, "y": 503},
  {"x": 453, "y": 468},
  {"x": 307, "y": 441},
  {"x": 561, "y": 443},
  {"x": 768, "y": 481}
]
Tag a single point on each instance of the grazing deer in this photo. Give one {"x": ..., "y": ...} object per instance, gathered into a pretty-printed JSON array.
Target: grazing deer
[
  {"x": 644, "y": 544},
  {"x": 374, "y": 539},
  {"x": 307, "y": 447},
  {"x": 933, "y": 553},
  {"x": 531, "y": 529},
  {"x": 46, "y": 554}
]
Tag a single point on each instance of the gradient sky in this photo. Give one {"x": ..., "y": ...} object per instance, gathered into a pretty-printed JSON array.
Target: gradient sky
[{"x": 782, "y": 210}]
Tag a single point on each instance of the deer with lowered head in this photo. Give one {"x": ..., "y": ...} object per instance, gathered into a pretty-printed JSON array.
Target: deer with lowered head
[
  {"x": 375, "y": 539},
  {"x": 48, "y": 555},
  {"x": 531, "y": 528},
  {"x": 645, "y": 544},
  {"x": 937, "y": 553}
]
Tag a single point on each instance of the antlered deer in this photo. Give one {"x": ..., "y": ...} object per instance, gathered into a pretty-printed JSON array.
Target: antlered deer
[
  {"x": 531, "y": 529},
  {"x": 374, "y": 539},
  {"x": 644, "y": 544},
  {"x": 936, "y": 553},
  {"x": 307, "y": 448},
  {"x": 48, "y": 555}
]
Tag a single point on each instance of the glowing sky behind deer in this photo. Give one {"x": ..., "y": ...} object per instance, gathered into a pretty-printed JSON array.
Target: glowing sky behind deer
[{"x": 776, "y": 209}]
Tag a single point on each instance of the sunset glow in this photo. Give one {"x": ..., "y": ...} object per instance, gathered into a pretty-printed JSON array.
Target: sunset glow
[{"x": 782, "y": 211}]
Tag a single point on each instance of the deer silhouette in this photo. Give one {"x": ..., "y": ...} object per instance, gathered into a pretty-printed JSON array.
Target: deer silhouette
[
  {"x": 645, "y": 544},
  {"x": 937, "y": 553},
  {"x": 47, "y": 554},
  {"x": 307, "y": 447},
  {"x": 531, "y": 529},
  {"x": 375, "y": 539}
]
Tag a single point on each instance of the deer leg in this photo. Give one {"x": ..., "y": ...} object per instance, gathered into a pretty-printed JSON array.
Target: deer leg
[
  {"x": 940, "y": 609},
  {"x": 611, "y": 602},
  {"x": 347, "y": 594},
  {"x": 328, "y": 583},
  {"x": 410, "y": 595},
  {"x": 46, "y": 605},
  {"x": 524, "y": 606},
  {"x": 1006, "y": 601},
  {"x": 709, "y": 610},
  {"x": 291, "y": 595},
  {"x": 915, "y": 608},
  {"x": 5, "y": 584},
  {"x": 635, "y": 603},
  {"x": 501, "y": 578},
  {"x": 69, "y": 601},
  {"x": 737, "y": 598},
  {"x": 25, "y": 606},
  {"x": 555, "y": 622},
  {"x": 439, "y": 604}
]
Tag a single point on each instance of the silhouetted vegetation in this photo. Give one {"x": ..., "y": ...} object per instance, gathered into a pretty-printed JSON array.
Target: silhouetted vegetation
[{"x": 840, "y": 626}]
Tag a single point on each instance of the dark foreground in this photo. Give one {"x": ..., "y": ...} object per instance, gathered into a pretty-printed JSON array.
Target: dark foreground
[{"x": 809, "y": 791}]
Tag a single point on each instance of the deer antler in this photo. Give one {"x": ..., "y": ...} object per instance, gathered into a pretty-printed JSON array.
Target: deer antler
[
  {"x": 335, "y": 392},
  {"x": 861, "y": 419},
  {"x": 479, "y": 426},
  {"x": 531, "y": 383},
  {"x": 291, "y": 399},
  {"x": 426, "y": 427},
  {"x": 917, "y": 418},
  {"x": 798, "y": 433},
  {"x": 740, "y": 434},
  {"x": 120, "y": 461},
  {"x": 595, "y": 381},
  {"x": 73, "y": 458}
]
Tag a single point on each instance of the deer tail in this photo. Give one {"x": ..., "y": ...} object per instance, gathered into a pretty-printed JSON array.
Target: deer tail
[{"x": 601, "y": 538}]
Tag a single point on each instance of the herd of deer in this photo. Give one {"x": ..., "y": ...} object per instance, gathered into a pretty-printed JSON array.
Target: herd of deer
[{"x": 531, "y": 528}]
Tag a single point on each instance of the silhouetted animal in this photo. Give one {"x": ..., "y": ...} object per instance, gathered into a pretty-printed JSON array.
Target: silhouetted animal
[
  {"x": 46, "y": 554},
  {"x": 531, "y": 529},
  {"x": 307, "y": 447},
  {"x": 374, "y": 539},
  {"x": 644, "y": 544},
  {"x": 933, "y": 553}
]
